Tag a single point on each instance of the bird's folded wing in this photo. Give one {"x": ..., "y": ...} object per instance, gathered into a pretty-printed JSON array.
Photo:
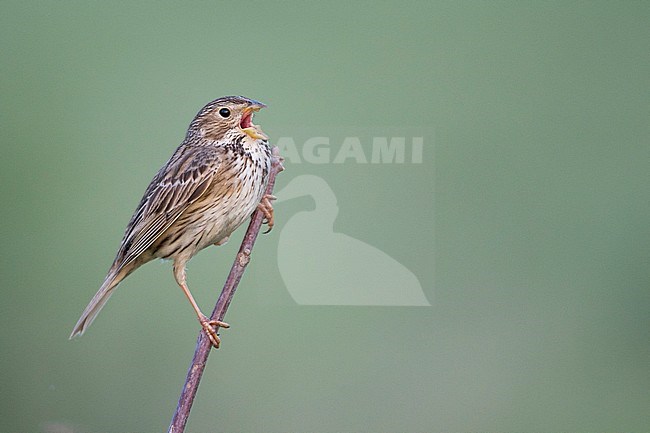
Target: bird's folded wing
[{"x": 179, "y": 184}]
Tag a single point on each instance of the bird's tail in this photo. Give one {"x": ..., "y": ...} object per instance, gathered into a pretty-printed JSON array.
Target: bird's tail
[{"x": 97, "y": 302}]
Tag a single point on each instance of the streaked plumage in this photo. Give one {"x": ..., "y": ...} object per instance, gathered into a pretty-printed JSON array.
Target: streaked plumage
[{"x": 212, "y": 183}]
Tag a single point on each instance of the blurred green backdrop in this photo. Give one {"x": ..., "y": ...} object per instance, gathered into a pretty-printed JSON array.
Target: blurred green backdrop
[{"x": 531, "y": 206}]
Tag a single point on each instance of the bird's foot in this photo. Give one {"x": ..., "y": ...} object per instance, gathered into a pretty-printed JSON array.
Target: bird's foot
[
  {"x": 266, "y": 207},
  {"x": 208, "y": 327}
]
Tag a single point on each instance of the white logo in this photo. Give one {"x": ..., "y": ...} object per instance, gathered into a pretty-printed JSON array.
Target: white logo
[{"x": 322, "y": 267}]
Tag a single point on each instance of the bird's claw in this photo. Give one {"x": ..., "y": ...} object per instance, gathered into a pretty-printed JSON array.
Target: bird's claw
[
  {"x": 211, "y": 332},
  {"x": 266, "y": 207}
]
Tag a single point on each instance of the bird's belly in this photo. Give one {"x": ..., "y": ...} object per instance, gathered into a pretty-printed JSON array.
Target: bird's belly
[
  {"x": 219, "y": 223},
  {"x": 209, "y": 221}
]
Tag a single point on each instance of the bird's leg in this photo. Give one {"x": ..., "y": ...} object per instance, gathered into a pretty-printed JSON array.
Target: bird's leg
[
  {"x": 208, "y": 325},
  {"x": 266, "y": 207}
]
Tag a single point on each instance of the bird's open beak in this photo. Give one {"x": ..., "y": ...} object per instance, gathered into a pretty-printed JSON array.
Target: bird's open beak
[{"x": 246, "y": 123}]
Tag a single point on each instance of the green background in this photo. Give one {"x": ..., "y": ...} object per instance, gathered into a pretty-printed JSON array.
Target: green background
[{"x": 526, "y": 223}]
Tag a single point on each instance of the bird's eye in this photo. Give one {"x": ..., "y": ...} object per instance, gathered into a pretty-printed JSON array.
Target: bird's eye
[{"x": 224, "y": 112}]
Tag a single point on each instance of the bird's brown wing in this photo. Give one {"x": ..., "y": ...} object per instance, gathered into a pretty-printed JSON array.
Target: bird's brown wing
[{"x": 182, "y": 181}]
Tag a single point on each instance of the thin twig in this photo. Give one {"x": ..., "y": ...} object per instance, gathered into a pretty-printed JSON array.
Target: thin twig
[{"x": 203, "y": 344}]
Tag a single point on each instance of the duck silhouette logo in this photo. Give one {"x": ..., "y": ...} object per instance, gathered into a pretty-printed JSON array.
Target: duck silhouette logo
[{"x": 345, "y": 270}]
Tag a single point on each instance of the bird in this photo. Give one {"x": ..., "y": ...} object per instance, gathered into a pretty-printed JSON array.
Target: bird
[{"x": 212, "y": 183}]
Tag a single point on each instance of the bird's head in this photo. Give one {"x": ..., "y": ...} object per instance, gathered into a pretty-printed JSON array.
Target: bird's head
[{"x": 229, "y": 113}]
